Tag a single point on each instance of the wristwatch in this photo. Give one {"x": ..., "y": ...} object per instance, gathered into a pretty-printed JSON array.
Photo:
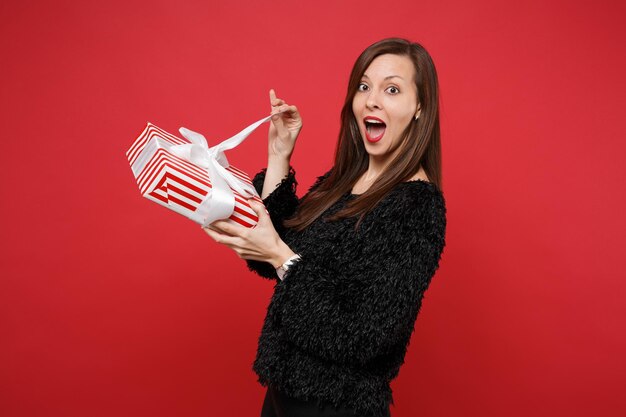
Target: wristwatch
[{"x": 282, "y": 270}]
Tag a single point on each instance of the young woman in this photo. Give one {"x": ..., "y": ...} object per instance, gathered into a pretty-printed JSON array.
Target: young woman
[{"x": 352, "y": 258}]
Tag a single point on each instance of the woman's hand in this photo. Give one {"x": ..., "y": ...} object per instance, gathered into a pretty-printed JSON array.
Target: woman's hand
[
  {"x": 260, "y": 243},
  {"x": 284, "y": 128}
]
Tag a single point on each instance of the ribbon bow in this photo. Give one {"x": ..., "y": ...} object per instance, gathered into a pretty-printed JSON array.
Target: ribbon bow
[{"x": 221, "y": 203}]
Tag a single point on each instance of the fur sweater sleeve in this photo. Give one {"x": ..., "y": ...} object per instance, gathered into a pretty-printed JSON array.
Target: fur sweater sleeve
[
  {"x": 354, "y": 297},
  {"x": 280, "y": 204}
]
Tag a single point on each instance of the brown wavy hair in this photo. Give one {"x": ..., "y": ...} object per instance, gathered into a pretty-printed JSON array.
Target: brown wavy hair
[{"x": 420, "y": 143}]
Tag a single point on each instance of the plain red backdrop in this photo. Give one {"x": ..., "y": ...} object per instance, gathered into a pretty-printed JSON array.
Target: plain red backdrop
[{"x": 113, "y": 306}]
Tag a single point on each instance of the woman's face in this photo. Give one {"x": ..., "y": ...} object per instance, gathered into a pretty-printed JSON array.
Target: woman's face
[{"x": 385, "y": 103}]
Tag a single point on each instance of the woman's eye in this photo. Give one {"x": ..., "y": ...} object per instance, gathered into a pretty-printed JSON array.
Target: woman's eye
[
  {"x": 362, "y": 87},
  {"x": 393, "y": 90}
]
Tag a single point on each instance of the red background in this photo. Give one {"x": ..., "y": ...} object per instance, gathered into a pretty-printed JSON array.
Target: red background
[{"x": 113, "y": 306}]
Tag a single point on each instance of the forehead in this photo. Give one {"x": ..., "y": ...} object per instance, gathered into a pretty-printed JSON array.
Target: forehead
[{"x": 389, "y": 65}]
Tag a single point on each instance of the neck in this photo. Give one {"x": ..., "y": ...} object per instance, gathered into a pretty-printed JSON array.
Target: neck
[{"x": 375, "y": 167}]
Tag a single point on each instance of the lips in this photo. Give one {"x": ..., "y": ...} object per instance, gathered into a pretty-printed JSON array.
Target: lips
[{"x": 374, "y": 128}]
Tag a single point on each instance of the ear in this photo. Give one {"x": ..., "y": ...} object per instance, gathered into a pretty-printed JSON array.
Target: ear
[{"x": 419, "y": 111}]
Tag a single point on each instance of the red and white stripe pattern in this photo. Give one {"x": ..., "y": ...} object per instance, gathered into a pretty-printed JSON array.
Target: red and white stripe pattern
[{"x": 176, "y": 183}]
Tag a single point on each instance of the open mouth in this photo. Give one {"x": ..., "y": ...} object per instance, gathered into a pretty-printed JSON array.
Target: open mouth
[{"x": 374, "y": 129}]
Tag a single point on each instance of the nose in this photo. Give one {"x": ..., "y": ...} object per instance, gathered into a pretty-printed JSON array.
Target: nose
[{"x": 373, "y": 101}]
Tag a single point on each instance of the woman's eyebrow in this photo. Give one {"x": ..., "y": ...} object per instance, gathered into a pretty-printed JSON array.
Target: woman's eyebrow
[{"x": 386, "y": 78}]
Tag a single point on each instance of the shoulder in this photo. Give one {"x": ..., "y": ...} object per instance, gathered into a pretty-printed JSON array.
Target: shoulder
[
  {"x": 415, "y": 195},
  {"x": 410, "y": 220},
  {"x": 416, "y": 204}
]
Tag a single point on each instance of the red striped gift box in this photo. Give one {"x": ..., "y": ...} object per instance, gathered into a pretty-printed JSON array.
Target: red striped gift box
[{"x": 176, "y": 183}]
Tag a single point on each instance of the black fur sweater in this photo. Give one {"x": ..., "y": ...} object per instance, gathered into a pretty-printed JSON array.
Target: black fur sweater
[{"x": 338, "y": 325}]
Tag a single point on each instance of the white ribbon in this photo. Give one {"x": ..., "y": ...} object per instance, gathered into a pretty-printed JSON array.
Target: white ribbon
[{"x": 221, "y": 203}]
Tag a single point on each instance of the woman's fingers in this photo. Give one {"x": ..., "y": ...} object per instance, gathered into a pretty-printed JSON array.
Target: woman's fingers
[
  {"x": 280, "y": 109},
  {"x": 274, "y": 101},
  {"x": 285, "y": 111},
  {"x": 258, "y": 243},
  {"x": 291, "y": 110},
  {"x": 214, "y": 235},
  {"x": 223, "y": 226},
  {"x": 285, "y": 127},
  {"x": 237, "y": 244},
  {"x": 259, "y": 209},
  {"x": 231, "y": 241}
]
